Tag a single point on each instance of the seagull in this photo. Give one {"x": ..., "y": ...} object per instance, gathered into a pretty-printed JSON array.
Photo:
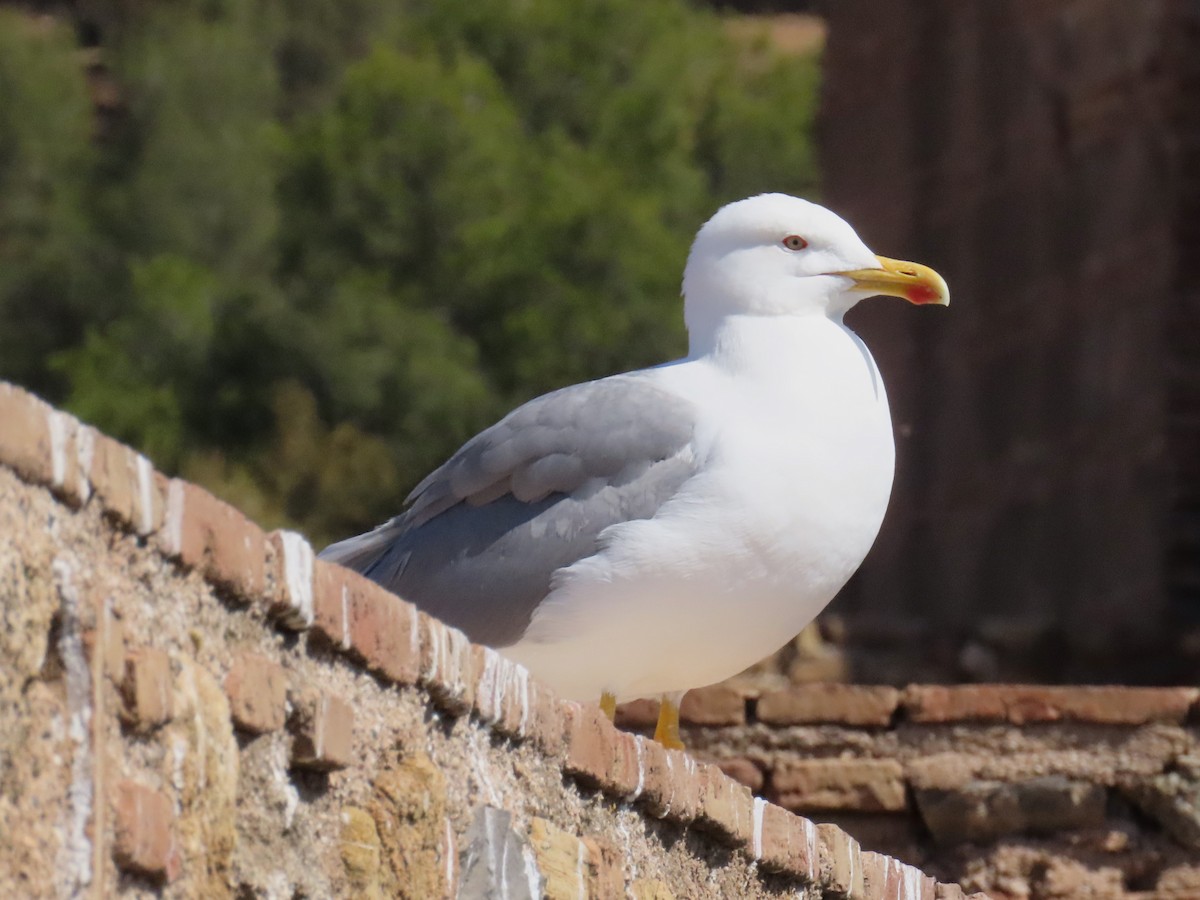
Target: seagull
[{"x": 659, "y": 530}]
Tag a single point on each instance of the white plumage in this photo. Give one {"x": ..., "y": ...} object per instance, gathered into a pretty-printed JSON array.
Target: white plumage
[{"x": 677, "y": 523}]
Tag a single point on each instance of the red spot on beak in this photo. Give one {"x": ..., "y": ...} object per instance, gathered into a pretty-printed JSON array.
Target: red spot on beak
[{"x": 921, "y": 294}]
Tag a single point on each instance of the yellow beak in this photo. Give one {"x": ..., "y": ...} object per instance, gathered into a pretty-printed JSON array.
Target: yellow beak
[{"x": 914, "y": 282}]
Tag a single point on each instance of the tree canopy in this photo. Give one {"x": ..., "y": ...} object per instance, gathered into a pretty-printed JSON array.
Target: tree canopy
[{"x": 316, "y": 244}]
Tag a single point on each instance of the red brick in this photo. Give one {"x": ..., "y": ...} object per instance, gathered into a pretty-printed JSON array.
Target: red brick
[
  {"x": 670, "y": 788},
  {"x": 1019, "y": 704},
  {"x": 595, "y": 750},
  {"x": 717, "y": 704},
  {"x": 384, "y": 631},
  {"x": 841, "y": 862},
  {"x": 905, "y": 882},
  {"x": 145, "y": 832},
  {"x": 637, "y": 715},
  {"x": 867, "y": 785},
  {"x": 502, "y": 692},
  {"x": 208, "y": 534},
  {"x": 25, "y": 438},
  {"x": 147, "y": 688},
  {"x": 784, "y": 842},
  {"x": 726, "y": 806},
  {"x": 127, "y": 485},
  {"x": 547, "y": 719},
  {"x": 875, "y": 876},
  {"x": 322, "y": 729},
  {"x": 292, "y": 579},
  {"x": 72, "y": 446},
  {"x": 517, "y": 707},
  {"x": 257, "y": 691},
  {"x": 331, "y": 601},
  {"x": 841, "y": 704},
  {"x": 896, "y": 834},
  {"x": 446, "y": 665},
  {"x": 744, "y": 771}
]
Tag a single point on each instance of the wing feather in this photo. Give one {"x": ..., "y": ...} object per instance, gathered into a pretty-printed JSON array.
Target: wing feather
[{"x": 484, "y": 533}]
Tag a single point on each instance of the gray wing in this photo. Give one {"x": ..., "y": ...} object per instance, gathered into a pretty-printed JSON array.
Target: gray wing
[{"x": 484, "y": 532}]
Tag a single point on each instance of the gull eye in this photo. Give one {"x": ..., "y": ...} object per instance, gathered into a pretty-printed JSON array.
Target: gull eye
[{"x": 794, "y": 242}]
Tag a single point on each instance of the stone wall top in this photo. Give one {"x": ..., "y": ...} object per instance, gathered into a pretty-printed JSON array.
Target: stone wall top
[{"x": 183, "y": 635}]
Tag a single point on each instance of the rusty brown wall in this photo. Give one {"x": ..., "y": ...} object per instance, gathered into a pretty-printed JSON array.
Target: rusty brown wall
[
  {"x": 1184, "y": 324},
  {"x": 1025, "y": 149}
]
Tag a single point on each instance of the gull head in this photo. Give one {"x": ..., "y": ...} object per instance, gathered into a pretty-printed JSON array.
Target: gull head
[{"x": 776, "y": 255}]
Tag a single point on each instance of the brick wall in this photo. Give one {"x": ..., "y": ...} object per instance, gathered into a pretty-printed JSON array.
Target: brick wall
[
  {"x": 192, "y": 708},
  {"x": 1025, "y": 149},
  {"x": 1183, "y": 342},
  {"x": 1026, "y": 792}
]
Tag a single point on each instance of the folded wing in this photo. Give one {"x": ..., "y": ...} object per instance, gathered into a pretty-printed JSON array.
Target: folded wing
[{"x": 484, "y": 533}]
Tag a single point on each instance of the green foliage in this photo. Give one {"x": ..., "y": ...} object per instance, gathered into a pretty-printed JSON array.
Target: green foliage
[
  {"x": 326, "y": 241},
  {"x": 46, "y": 160}
]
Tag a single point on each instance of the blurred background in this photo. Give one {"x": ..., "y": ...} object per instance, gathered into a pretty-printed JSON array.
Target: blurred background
[{"x": 299, "y": 250}]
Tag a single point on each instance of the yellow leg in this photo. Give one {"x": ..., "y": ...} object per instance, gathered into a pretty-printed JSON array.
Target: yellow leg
[
  {"x": 608, "y": 705},
  {"x": 667, "y": 730}
]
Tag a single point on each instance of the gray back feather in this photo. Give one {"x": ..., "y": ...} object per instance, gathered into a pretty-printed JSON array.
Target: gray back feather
[{"x": 484, "y": 533}]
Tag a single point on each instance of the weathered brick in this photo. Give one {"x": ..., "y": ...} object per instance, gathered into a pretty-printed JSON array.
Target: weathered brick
[
  {"x": 384, "y": 631},
  {"x": 208, "y": 534},
  {"x": 784, "y": 842},
  {"x": 147, "y": 688},
  {"x": 126, "y": 484},
  {"x": 742, "y": 770},
  {"x": 625, "y": 772},
  {"x": 446, "y": 665},
  {"x": 841, "y": 862},
  {"x": 257, "y": 691},
  {"x": 670, "y": 788},
  {"x": 25, "y": 438},
  {"x": 331, "y": 602},
  {"x": 842, "y": 704},
  {"x": 726, "y": 806},
  {"x": 984, "y": 810},
  {"x": 717, "y": 704},
  {"x": 946, "y": 771},
  {"x": 839, "y": 784},
  {"x": 322, "y": 728},
  {"x": 292, "y": 582},
  {"x": 547, "y": 719},
  {"x": 1020, "y": 704},
  {"x": 591, "y": 744},
  {"x": 888, "y": 878},
  {"x": 72, "y": 446},
  {"x": 896, "y": 834},
  {"x": 875, "y": 875},
  {"x": 906, "y": 882},
  {"x": 502, "y": 692},
  {"x": 145, "y": 831}
]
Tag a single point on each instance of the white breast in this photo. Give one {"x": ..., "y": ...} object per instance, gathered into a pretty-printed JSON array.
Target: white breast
[{"x": 796, "y": 444}]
